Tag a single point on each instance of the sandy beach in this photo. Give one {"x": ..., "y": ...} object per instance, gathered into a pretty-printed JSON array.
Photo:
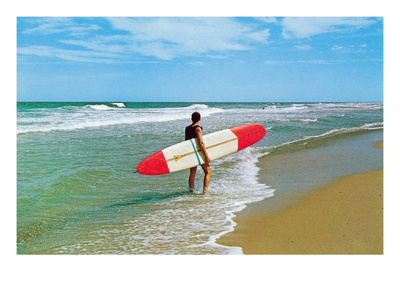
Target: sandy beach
[{"x": 342, "y": 217}]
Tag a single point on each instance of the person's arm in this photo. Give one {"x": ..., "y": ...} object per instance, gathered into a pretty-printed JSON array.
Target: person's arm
[{"x": 201, "y": 144}]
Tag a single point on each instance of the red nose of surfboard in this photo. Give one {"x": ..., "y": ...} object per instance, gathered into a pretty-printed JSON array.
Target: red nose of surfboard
[
  {"x": 154, "y": 165},
  {"x": 248, "y": 134}
]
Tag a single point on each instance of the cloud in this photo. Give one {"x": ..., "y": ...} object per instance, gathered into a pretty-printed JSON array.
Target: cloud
[
  {"x": 112, "y": 44},
  {"x": 350, "y": 49},
  {"x": 53, "y": 25},
  {"x": 268, "y": 20},
  {"x": 319, "y": 61},
  {"x": 337, "y": 48},
  {"x": 314, "y": 62},
  {"x": 167, "y": 38},
  {"x": 196, "y": 63},
  {"x": 160, "y": 38},
  {"x": 301, "y": 27},
  {"x": 302, "y": 47},
  {"x": 139, "y": 39},
  {"x": 71, "y": 55}
]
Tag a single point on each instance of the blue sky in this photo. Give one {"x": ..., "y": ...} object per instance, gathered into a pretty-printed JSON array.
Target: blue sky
[{"x": 200, "y": 59}]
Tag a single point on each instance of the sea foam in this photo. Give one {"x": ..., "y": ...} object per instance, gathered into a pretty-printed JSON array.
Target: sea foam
[
  {"x": 101, "y": 115},
  {"x": 99, "y": 107},
  {"x": 118, "y": 104}
]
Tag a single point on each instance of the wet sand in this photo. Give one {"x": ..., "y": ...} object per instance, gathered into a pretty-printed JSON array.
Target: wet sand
[{"x": 342, "y": 217}]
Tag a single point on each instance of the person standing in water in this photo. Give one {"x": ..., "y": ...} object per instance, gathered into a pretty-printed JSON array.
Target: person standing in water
[{"x": 195, "y": 131}]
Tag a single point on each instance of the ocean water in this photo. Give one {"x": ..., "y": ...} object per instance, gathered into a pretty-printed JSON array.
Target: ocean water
[{"x": 77, "y": 192}]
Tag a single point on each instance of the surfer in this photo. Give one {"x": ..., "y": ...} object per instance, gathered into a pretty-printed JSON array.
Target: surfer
[{"x": 195, "y": 131}]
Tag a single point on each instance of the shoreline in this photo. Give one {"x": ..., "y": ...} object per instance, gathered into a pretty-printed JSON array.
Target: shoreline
[{"x": 340, "y": 215}]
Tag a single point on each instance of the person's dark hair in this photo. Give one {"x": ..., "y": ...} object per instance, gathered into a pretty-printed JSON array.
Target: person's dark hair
[{"x": 195, "y": 117}]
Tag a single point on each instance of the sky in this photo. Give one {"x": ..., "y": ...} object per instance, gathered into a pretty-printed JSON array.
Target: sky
[{"x": 200, "y": 59}]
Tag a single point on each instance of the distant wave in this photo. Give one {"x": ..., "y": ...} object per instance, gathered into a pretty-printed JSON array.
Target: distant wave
[
  {"x": 286, "y": 109},
  {"x": 308, "y": 120},
  {"x": 331, "y": 133},
  {"x": 98, "y": 115},
  {"x": 118, "y": 104},
  {"x": 304, "y": 107},
  {"x": 99, "y": 107},
  {"x": 350, "y": 105},
  {"x": 198, "y": 106}
]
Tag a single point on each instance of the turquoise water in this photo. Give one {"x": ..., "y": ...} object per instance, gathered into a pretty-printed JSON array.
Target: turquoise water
[{"x": 77, "y": 192}]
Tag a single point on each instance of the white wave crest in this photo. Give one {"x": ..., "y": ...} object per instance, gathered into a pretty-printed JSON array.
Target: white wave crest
[
  {"x": 198, "y": 106},
  {"x": 98, "y": 115},
  {"x": 294, "y": 108},
  {"x": 349, "y": 105},
  {"x": 118, "y": 104},
  {"x": 368, "y": 126},
  {"x": 99, "y": 107},
  {"x": 373, "y": 126},
  {"x": 308, "y": 120}
]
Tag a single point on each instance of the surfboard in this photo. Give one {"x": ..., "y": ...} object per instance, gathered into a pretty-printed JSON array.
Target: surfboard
[{"x": 187, "y": 154}]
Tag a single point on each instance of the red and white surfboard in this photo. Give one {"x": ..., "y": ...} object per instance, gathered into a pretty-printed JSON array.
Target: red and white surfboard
[{"x": 187, "y": 154}]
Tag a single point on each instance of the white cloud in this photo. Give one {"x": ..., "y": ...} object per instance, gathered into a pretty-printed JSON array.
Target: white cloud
[
  {"x": 268, "y": 20},
  {"x": 128, "y": 39},
  {"x": 260, "y": 36},
  {"x": 196, "y": 63},
  {"x": 303, "y": 47},
  {"x": 337, "y": 48},
  {"x": 217, "y": 56},
  {"x": 301, "y": 27},
  {"x": 112, "y": 44},
  {"x": 71, "y": 55},
  {"x": 315, "y": 61},
  {"x": 167, "y": 38},
  {"x": 350, "y": 49},
  {"x": 319, "y": 61},
  {"x": 162, "y": 38},
  {"x": 54, "y": 25}
]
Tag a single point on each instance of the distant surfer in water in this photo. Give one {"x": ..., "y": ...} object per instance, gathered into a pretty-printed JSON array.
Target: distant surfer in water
[{"x": 195, "y": 131}]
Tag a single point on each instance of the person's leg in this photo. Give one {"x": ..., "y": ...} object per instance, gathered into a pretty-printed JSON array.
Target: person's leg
[
  {"x": 207, "y": 176},
  {"x": 191, "y": 178}
]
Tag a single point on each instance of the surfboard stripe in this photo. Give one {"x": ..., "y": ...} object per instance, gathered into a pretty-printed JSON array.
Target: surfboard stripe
[
  {"x": 219, "y": 144},
  {"x": 195, "y": 152}
]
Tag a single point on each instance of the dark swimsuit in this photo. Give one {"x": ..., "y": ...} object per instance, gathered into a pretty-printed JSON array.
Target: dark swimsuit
[{"x": 190, "y": 132}]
